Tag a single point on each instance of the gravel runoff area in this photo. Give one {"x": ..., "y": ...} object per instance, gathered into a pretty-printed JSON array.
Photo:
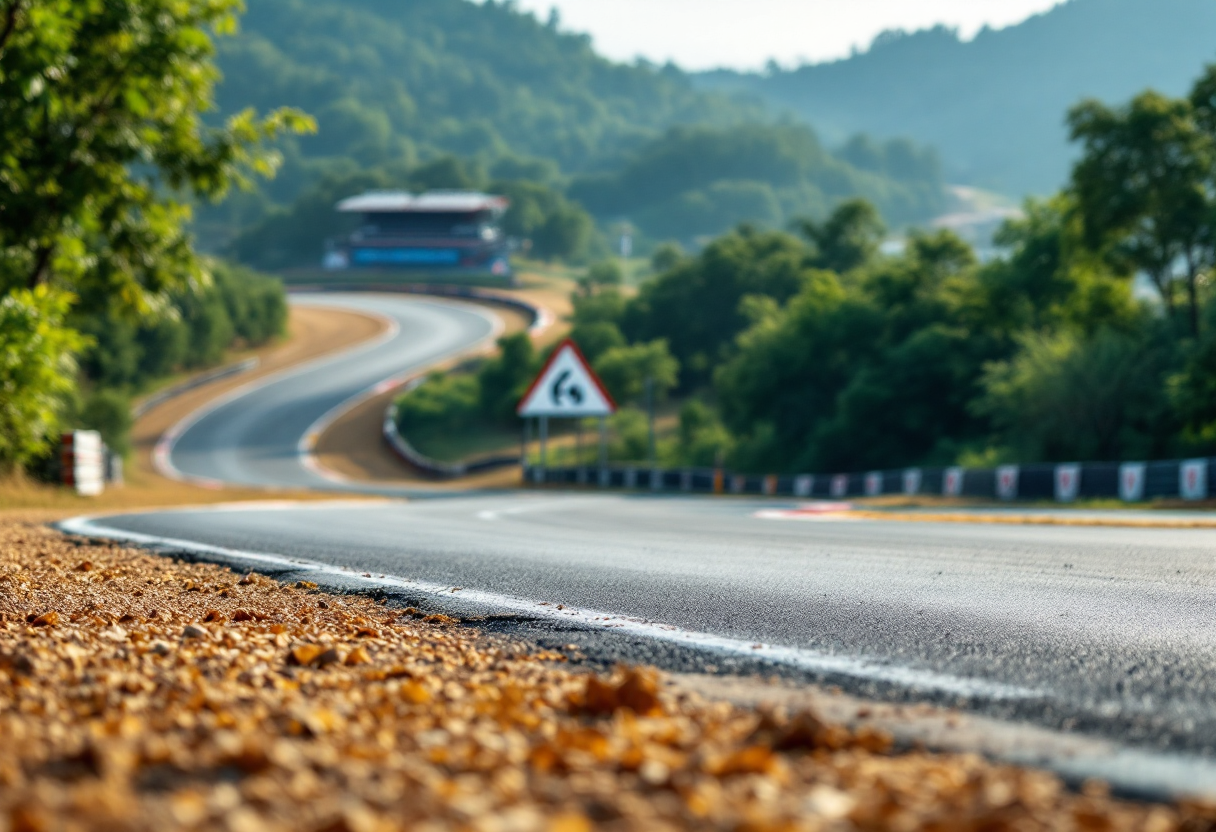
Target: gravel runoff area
[{"x": 142, "y": 693}]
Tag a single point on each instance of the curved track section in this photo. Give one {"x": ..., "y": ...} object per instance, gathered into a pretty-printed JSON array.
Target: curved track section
[{"x": 257, "y": 436}]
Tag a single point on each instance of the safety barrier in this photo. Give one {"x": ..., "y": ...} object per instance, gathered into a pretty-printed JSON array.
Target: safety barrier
[
  {"x": 194, "y": 383},
  {"x": 1128, "y": 481},
  {"x": 541, "y": 319}
]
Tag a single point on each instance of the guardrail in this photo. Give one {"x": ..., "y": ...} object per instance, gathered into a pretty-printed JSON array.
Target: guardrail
[
  {"x": 194, "y": 383},
  {"x": 433, "y": 467},
  {"x": 542, "y": 319},
  {"x": 1128, "y": 481}
]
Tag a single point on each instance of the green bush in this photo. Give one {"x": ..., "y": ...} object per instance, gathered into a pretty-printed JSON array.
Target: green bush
[
  {"x": 703, "y": 440},
  {"x": 238, "y": 308},
  {"x": 450, "y": 401},
  {"x": 109, "y": 413},
  {"x": 625, "y": 371}
]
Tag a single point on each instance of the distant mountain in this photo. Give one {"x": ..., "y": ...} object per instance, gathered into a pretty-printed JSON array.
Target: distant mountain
[
  {"x": 994, "y": 107},
  {"x": 397, "y": 84},
  {"x": 389, "y": 80}
]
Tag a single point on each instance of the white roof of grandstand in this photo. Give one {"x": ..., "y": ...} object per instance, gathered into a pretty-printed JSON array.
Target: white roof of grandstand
[{"x": 384, "y": 202}]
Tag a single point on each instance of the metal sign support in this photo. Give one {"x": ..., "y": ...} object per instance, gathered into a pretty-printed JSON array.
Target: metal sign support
[
  {"x": 544, "y": 448},
  {"x": 603, "y": 447}
]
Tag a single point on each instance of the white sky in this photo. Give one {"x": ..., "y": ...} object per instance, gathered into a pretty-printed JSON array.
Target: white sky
[{"x": 703, "y": 34}]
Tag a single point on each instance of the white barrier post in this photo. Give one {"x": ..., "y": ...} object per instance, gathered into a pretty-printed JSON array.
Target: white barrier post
[
  {"x": 952, "y": 482},
  {"x": 83, "y": 461},
  {"x": 1193, "y": 479},
  {"x": 1007, "y": 482},
  {"x": 1068, "y": 482},
  {"x": 912, "y": 481},
  {"x": 1132, "y": 476}
]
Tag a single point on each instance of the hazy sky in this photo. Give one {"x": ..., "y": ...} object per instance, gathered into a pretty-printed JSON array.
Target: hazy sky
[{"x": 700, "y": 34}]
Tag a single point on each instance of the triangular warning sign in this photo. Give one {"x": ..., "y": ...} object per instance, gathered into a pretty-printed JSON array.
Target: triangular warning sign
[{"x": 567, "y": 387}]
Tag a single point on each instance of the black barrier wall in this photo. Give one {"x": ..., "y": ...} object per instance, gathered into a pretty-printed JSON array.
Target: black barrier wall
[{"x": 1130, "y": 482}]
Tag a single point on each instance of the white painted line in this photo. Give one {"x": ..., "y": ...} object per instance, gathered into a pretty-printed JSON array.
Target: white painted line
[
  {"x": 306, "y": 448},
  {"x": 802, "y": 659},
  {"x": 162, "y": 456}
]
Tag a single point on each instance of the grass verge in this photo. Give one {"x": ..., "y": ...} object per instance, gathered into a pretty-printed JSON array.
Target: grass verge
[{"x": 140, "y": 693}]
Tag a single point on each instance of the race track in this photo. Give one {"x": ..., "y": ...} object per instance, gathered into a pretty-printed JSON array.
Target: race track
[
  {"x": 1107, "y": 631},
  {"x": 254, "y": 437}
]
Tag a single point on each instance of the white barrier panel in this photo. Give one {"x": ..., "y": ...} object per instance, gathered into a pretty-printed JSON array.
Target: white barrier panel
[
  {"x": 1131, "y": 481},
  {"x": 738, "y": 484},
  {"x": 804, "y": 485},
  {"x": 840, "y": 485},
  {"x": 952, "y": 482},
  {"x": 912, "y": 481},
  {"x": 686, "y": 481},
  {"x": 1193, "y": 479},
  {"x": 873, "y": 484},
  {"x": 631, "y": 478},
  {"x": 1068, "y": 482},
  {"x": 84, "y": 463},
  {"x": 1007, "y": 482}
]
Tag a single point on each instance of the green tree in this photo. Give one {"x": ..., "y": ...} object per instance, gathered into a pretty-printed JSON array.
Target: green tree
[
  {"x": 847, "y": 239},
  {"x": 102, "y": 140},
  {"x": 696, "y": 306},
  {"x": 37, "y": 371},
  {"x": 503, "y": 379},
  {"x": 626, "y": 370},
  {"x": 1067, "y": 398},
  {"x": 596, "y": 338},
  {"x": 703, "y": 439},
  {"x": 666, "y": 257},
  {"x": 601, "y": 274},
  {"x": 1050, "y": 279},
  {"x": 1143, "y": 186},
  {"x": 564, "y": 234}
]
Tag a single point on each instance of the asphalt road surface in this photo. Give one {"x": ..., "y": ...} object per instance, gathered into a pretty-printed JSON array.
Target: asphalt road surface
[
  {"x": 1106, "y": 631},
  {"x": 254, "y": 438},
  {"x": 1109, "y": 630}
]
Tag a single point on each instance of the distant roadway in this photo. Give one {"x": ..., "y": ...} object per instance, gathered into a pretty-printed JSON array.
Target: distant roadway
[
  {"x": 1105, "y": 630},
  {"x": 255, "y": 437}
]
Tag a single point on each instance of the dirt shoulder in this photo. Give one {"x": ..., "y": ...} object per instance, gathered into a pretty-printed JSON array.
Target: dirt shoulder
[{"x": 146, "y": 694}]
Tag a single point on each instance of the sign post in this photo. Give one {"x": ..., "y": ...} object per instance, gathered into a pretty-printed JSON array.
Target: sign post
[{"x": 567, "y": 388}]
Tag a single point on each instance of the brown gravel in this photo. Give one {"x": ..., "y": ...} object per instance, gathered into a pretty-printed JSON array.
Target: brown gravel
[{"x": 144, "y": 694}]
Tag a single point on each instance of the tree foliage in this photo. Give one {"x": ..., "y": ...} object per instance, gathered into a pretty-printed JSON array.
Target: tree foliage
[
  {"x": 37, "y": 370},
  {"x": 102, "y": 137},
  {"x": 1145, "y": 190},
  {"x": 104, "y": 144}
]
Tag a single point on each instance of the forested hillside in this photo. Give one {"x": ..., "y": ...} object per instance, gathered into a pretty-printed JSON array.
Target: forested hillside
[
  {"x": 389, "y": 80},
  {"x": 993, "y": 107},
  {"x": 397, "y": 87}
]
